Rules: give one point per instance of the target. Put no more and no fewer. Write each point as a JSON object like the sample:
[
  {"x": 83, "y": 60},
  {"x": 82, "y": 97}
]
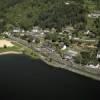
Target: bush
[
  {"x": 37, "y": 40},
  {"x": 5, "y": 46}
]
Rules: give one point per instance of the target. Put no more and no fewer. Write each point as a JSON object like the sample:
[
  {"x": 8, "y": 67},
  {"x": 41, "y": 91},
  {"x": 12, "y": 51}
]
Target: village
[
  {"x": 65, "y": 46},
  {"x": 73, "y": 47}
]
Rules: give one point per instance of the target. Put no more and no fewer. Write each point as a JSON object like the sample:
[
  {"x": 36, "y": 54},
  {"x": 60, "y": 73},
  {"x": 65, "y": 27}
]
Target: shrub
[{"x": 5, "y": 46}]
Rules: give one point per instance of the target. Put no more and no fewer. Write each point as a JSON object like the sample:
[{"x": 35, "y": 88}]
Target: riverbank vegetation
[{"x": 18, "y": 48}]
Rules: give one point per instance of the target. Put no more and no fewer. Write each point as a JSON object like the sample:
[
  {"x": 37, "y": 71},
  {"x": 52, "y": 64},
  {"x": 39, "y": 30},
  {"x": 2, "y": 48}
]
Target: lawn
[{"x": 19, "y": 48}]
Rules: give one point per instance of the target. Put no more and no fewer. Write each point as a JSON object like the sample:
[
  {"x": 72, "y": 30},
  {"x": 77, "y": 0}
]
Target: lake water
[{"x": 22, "y": 77}]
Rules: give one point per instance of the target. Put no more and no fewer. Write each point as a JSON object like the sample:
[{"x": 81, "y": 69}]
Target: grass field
[{"x": 17, "y": 47}]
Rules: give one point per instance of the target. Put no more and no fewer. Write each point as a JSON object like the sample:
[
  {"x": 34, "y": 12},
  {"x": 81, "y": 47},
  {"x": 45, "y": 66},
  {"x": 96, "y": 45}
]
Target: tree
[{"x": 37, "y": 40}]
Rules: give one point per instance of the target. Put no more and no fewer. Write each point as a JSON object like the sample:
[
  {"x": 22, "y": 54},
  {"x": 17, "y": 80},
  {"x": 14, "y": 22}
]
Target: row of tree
[{"x": 44, "y": 13}]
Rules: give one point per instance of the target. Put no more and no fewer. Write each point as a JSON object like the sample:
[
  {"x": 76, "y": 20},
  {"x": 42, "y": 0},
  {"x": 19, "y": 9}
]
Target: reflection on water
[{"x": 21, "y": 76}]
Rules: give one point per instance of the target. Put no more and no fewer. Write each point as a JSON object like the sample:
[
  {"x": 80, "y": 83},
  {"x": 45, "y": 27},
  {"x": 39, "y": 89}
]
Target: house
[
  {"x": 23, "y": 31},
  {"x": 92, "y": 15},
  {"x": 72, "y": 53},
  {"x": 87, "y": 32},
  {"x": 33, "y": 41},
  {"x": 67, "y": 57},
  {"x": 16, "y": 30},
  {"x": 93, "y": 66},
  {"x": 6, "y": 33},
  {"x": 61, "y": 45},
  {"x": 36, "y": 29},
  {"x": 22, "y": 34},
  {"x": 68, "y": 29},
  {"x": 53, "y": 30},
  {"x": 90, "y": 33},
  {"x": 46, "y": 30},
  {"x": 95, "y": 14},
  {"x": 67, "y": 3},
  {"x": 70, "y": 37},
  {"x": 64, "y": 47},
  {"x": 60, "y": 33},
  {"x": 98, "y": 55},
  {"x": 76, "y": 38},
  {"x": 42, "y": 33}
]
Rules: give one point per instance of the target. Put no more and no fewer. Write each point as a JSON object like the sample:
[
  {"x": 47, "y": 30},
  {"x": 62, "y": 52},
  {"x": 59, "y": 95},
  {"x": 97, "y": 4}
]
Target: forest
[{"x": 44, "y": 13}]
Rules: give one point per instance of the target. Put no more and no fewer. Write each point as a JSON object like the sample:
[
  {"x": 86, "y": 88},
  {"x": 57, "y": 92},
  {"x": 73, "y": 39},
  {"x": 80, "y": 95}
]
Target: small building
[
  {"x": 23, "y": 31},
  {"x": 98, "y": 55},
  {"x": 60, "y": 33},
  {"x": 68, "y": 29},
  {"x": 22, "y": 34},
  {"x": 6, "y": 33},
  {"x": 53, "y": 30},
  {"x": 36, "y": 29},
  {"x": 33, "y": 41},
  {"x": 67, "y": 57},
  {"x": 42, "y": 33},
  {"x": 70, "y": 37},
  {"x": 72, "y": 53},
  {"x": 95, "y": 14},
  {"x": 90, "y": 33},
  {"x": 64, "y": 47},
  {"x": 87, "y": 32},
  {"x": 16, "y": 30},
  {"x": 93, "y": 66},
  {"x": 67, "y": 3},
  {"x": 76, "y": 38},
  {"x": 46, "y": 30}
]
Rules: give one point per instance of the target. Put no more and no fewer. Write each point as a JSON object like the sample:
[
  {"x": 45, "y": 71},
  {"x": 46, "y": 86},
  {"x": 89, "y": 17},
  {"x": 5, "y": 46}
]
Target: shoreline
[
  {"x": 80, "y": 72},
  {"x": 10, "y": 52},
  {"x": 57, "y": 65},
  {"x": 71, "y": 69}
]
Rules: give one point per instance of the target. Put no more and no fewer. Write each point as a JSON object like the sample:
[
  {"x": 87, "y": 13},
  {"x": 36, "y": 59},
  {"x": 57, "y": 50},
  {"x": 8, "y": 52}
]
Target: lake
[{"x": 22, "y": 77}]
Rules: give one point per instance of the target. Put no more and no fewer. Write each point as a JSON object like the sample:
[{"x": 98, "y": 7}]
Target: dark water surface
[{"x": 22, "y": 77}]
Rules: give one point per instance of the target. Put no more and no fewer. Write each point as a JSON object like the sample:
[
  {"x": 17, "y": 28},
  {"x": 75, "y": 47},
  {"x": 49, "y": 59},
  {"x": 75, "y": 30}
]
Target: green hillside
[{"x": 45, "y": 13}]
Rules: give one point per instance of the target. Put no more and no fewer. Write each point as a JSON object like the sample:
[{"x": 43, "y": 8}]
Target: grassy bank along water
[
  {"x": 18, "y": 49},
  {"x": 37, "y": 55}
]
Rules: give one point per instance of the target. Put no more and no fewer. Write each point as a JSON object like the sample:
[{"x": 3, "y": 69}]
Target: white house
[
  {"x": 53, "y": 30},
  {"x": 67, "y": 3},
  {"x": 22, "y": 34},
  {"x": 68, "y": 57},
  {"x": 76, "y": 38},
  {"x": 70, "y": 37},
  {"x": 7, "y": 33},
  {"x": 87, "y": 32},
  {"x": 46, "y": 30},
  {"x": 95, "y": 14},
  {"x": 72, "y": 53},
  {"x": 36, "y": 29},
  {"x": 16, "y": 30},
  {"x": 33, "y": 40},
  {"x": 98, "y": 56},
  {"x": 42, "y": 33},
  {"x": 68, "y": 29},
  {"x": 64, "y": 47},
  {"x": 93, "y": 66},
  {"x": 60, "y": 33},
  {"x": 23, "y": 31}
]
